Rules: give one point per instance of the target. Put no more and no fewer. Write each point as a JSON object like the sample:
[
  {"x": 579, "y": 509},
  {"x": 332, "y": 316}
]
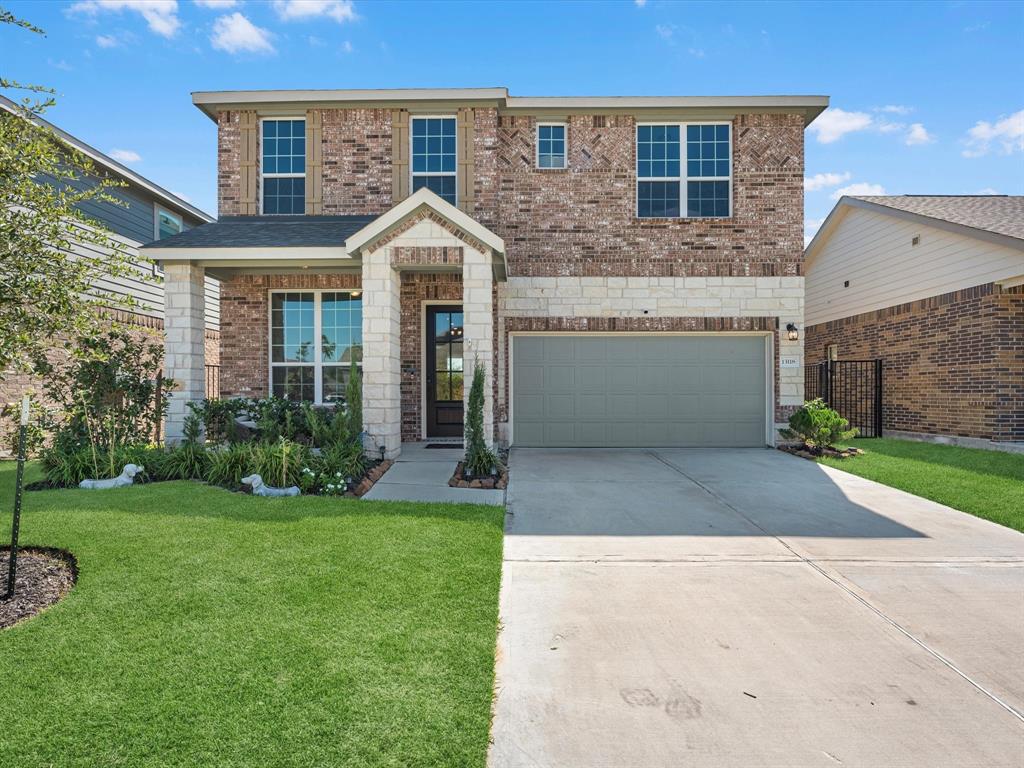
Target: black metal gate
[{"x": 851, "y": 387}]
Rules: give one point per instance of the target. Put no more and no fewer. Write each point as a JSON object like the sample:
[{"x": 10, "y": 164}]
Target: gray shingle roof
[
  {"x": 268, "y": 232},
  {"x": 1002, "y": 214}
]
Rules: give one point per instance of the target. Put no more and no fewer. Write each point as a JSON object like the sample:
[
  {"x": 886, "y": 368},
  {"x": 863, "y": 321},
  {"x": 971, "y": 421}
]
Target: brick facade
[
  {"x": 579, "y": 223},
  {"x": 953, "y": 364},
  {"x": 245, "y": 320}
]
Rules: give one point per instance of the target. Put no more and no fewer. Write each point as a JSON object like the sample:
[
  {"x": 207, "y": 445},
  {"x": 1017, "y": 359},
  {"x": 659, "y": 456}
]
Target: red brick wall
[
  {"x": 579, "y": 221},
  {"x": 244, "y": 321},
  {"x": 418, "y": 287},
  {"x": 952, "y": 364}
]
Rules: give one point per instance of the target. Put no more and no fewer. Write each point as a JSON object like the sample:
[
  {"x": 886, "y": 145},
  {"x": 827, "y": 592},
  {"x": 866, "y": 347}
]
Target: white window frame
[
  {"x": 158, "y": 267},
  {"x": 413, "y": 174},
  {"x": 317, "y": 364},
  {"x": 683, "y": 177},
  {"x": 259, "y": 151},
  {"x": 565, "y": 142}
]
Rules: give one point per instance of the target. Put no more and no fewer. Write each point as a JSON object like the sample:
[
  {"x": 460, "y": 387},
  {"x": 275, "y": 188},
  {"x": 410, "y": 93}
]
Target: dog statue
[
  {"x": 259, "y": 488},
  {"x": 127, "y": 477}
]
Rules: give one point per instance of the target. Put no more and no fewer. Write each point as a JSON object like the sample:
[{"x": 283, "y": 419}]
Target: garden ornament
[
  {"x": 125, "y": 478},
  {"x": 259, "y": 488}
]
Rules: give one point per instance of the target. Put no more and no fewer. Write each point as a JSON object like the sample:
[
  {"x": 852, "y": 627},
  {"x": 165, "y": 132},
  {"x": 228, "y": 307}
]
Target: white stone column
[
  {"x": 382, "y": 373},
  {"x": 184, "y": 344},
  {"x": 478, "y": 328}
]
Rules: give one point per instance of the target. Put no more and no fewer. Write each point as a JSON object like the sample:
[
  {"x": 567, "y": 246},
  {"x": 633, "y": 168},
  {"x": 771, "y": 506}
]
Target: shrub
[
  {"x": 354, "y": 403},
  {"x": 188, "y": 461},
  {"x": 277, "y": 418},
  {"x": 66, "y": 466},
  {"x": 818, "y": 426},
  {"x": 480, "y": 460},
  {"x": 218, "y": 418},
  {"x": 230, "y": 465},
  {"x": 327, "y": 426},
  {"x": 280, "y": 464}
]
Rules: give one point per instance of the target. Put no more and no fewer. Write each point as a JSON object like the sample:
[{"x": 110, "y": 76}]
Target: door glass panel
[
  {"x": 443, "y": 388},
  {"x": 456, "y": 356},
  {"x": 442, "y": 361},
  {"x": 456, "y": 387}
]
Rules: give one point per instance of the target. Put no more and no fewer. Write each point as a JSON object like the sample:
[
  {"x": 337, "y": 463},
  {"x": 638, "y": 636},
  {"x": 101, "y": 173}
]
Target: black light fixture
[{"x": 792, "y": 331}]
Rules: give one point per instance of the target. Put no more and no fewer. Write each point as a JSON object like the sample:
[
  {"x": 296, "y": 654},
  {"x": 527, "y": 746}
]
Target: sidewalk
[{"x": 422, "y": 474}]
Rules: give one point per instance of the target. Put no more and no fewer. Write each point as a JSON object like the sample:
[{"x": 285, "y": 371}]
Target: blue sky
[{"x": 927, "y": 98}]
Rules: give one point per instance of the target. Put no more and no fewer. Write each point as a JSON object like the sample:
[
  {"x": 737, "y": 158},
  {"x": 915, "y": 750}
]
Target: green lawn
[
  {"x": 209, "y": 628},
  {"x": 987, "y": 484}
]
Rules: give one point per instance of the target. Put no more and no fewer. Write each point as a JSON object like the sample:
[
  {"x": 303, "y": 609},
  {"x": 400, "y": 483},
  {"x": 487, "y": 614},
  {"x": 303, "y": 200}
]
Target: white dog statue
[
  {"x": 259, "y": 488},
  {"x": 127, "y": 477}
]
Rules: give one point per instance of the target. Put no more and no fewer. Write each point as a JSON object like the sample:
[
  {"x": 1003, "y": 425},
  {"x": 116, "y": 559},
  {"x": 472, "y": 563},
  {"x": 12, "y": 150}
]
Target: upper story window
[
  {"x": 551, "y": 145},
  {"x": 669, "y": 188},
  {"x": 283, "y": 166},
  {"x": 167, "y": 224},
  {"x": 433, "y": 156}
]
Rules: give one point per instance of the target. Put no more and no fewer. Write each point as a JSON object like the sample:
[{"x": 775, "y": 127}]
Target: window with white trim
[
  {"x": 551, "y": 145},
  {"x": 167, "y": 223},
  {"x": 434, "y": 156},
  {"x": 668, "y": 186},
  {"x": 283, "y": 166},
  {"x": 314, "y": 337}
]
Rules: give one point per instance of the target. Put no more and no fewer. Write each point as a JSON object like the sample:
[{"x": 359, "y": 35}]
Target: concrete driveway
[{"x": 748, "y": 608}]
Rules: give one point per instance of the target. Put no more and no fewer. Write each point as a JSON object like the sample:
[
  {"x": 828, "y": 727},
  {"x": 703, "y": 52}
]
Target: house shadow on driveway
[{"x": 684, "y": 492}]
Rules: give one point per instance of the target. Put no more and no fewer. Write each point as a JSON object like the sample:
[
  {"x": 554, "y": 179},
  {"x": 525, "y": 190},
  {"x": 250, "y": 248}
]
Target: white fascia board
[
  {"x": 423, "y": 198},
  {"x": 264, "y": 255}
]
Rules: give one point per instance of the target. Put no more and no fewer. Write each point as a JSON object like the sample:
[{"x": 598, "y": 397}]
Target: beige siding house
[{"x": 933, "y": 285}]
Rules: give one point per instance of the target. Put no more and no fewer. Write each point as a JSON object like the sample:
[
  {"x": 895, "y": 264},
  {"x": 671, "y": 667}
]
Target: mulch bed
[
  {"x": 460, "y": 480},
  {"x": 812, "y": 454},
  {"x": 44, "y": 576}
]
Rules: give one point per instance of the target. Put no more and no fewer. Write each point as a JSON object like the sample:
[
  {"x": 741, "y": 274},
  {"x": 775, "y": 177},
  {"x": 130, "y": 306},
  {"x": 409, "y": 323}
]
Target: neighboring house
[
  {"x": 625, "y": 268},
  {"x": 149, "y": 213},
  {"x": 934, "y": 286}
]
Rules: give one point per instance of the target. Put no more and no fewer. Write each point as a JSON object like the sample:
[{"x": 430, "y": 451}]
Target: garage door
[{"x": 638, "y": 391}]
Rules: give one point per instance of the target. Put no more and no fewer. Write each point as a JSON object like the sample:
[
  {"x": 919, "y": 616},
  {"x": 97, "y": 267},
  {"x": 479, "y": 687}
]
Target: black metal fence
[
  {"x": 851, "y": 387},
  {"x": 212, "y": 382}
]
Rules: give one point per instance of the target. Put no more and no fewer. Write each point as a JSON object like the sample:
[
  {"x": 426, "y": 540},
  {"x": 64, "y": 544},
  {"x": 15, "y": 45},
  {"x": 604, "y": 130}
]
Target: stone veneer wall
[
  {"x": 952, "y": 364},
  {"x": 245, "y": 320},
  {"x": 417, "y": 289}
]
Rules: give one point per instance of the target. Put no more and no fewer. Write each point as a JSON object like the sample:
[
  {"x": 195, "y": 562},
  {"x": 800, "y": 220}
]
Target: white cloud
[
  {"x": 884, "y": 126},
  {"x": 665, "y": 31},
  {"x": 822, "y": 180},
  {"x": 236, "y": 34},
  {"x": 860, "y": 188},
  {"x": 217, "y": 5},
  {"x": 918, "y": 134},
  {"x": 834, "y": 123},
  {"x": 125, "y": 155},
  {"x": 895, "y": 109},
  {"x": 987, "y": 191},
  {"x": 640, "y": 3},
  {"x": 161, "y": 15},
  {"x": 1007, "y": 132},
  {"x": 292, "y": 10},
  {"x": 347, "y": 47},
  {"x": 60, "y": 64},
  {"x": 106, "y": 41},
  {"x": 696, "y": 52}
]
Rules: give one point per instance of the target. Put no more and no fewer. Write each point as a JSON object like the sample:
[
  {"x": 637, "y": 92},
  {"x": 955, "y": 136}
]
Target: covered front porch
[{"x": 409, "y": 296}]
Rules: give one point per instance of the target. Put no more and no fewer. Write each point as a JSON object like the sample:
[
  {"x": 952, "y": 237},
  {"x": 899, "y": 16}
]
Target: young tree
[{"x": 51, "y": 254}]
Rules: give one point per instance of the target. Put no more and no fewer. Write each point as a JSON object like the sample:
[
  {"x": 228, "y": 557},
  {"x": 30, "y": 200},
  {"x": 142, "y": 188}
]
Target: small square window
[{"x": 551, "y": 146}]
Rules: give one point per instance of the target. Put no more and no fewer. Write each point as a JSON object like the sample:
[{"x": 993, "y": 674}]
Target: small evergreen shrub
[
  {"x": 818, "y": 426},
  {"x": 354, "y": 403},
  {"x": 480, "y": 460}
]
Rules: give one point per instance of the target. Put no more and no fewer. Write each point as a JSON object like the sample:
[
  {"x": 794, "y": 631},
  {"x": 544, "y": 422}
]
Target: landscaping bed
[
  {"x": 43, "y": 577},
  {"x": 816, "y": 453},
  {"x": 209, "y": 630},
  {"x": 461, "y": 480}
]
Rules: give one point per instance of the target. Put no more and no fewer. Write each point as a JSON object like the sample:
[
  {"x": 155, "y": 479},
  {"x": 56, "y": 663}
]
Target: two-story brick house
[{"x": 629, "y": 270}]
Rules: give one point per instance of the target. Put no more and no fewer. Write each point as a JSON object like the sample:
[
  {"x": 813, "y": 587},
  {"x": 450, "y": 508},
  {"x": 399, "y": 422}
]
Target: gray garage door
[{"x": 642, "y": 391}]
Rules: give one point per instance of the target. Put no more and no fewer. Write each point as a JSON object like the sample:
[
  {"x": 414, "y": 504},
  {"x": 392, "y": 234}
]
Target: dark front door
[{"x": 444, "y": 371}]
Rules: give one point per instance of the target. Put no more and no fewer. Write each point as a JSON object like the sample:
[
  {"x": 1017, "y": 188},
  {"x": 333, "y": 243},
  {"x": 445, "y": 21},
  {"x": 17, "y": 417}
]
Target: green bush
[
  {"x": 218, "y": 418},
  {"x": 229, "y": 465},
  {"x": 66, "y": 466},
  {"x": 818, "y": 426},
  {"x": 480, "y": 460},
  {"x": 354, "y": 403},
  {"x": 327, "y": 426},
  {"x": 188, "y": 461}
]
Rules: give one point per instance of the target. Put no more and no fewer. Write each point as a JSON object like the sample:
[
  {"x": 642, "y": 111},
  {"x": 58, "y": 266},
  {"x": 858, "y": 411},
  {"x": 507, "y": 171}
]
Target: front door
[{"x": 444, "y": 371}]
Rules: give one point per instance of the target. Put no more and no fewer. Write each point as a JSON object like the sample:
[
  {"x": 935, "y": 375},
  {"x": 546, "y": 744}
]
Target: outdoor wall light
[{"x": 792, "y": 331}]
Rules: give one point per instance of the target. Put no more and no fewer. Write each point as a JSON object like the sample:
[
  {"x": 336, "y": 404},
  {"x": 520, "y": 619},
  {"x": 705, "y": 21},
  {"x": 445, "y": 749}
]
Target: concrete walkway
[
  {"x": 422, "y": 474},
  {"x": 749, "y": 608}
]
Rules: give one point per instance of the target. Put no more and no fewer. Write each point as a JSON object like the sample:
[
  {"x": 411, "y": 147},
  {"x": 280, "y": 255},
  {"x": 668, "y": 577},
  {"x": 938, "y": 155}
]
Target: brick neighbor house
[
  {"x": 629, "y": 270},
  {"x": 934, "y": 286}
]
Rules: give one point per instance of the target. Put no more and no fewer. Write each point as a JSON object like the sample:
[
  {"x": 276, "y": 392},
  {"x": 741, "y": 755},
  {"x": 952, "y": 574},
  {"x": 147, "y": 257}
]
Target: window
[
  {"x": 433, "y": 156},
  {"x": 283, "y": 166},
  {"x": 668, "y": 188},
  {"x": 167, "y": 224},
  {"x": 314, "y": 336},
  {"x": 551, "y": 145}
]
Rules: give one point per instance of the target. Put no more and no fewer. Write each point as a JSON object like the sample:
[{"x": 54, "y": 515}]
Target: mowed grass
[
  {"x": 988, "y": 484},
  {"x": 210, "y": 628}
]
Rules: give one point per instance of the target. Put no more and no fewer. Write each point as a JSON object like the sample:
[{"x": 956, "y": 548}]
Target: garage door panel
[{"x": 625, "y": 391}]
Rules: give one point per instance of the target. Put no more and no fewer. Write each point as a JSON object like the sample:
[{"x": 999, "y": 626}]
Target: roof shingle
[
  {"x": 1002, "y": 214},
  {"x": 268, "y": 232}
]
